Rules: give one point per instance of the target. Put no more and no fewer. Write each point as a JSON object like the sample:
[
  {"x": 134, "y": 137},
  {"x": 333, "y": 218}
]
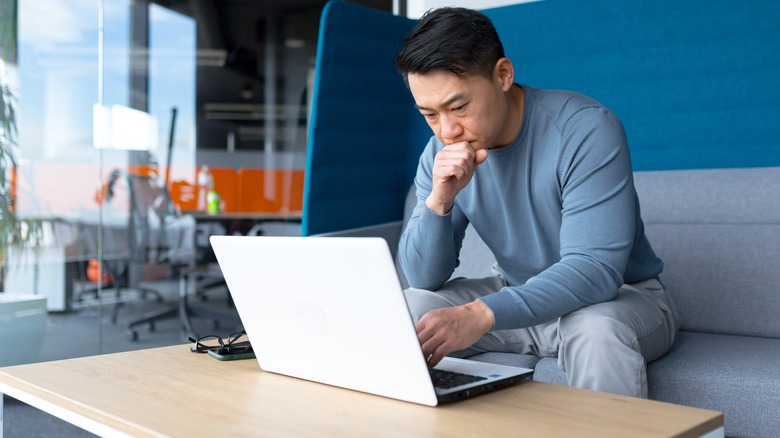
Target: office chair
[
  {"x": 159, "y": 234},
  {"x": 114, "y": 264}
]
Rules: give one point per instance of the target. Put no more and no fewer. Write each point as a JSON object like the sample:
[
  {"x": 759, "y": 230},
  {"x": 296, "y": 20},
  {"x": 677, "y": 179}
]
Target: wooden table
[{"x": 171, "y": 392}]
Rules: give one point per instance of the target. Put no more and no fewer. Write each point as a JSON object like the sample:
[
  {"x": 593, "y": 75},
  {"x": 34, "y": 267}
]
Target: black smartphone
[{"x": 222, "y": 355}]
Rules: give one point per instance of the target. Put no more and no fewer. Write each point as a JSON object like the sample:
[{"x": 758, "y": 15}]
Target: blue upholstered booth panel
[
  {"x": 363, "y": 148},
  {"x": 693, "y": 82}
]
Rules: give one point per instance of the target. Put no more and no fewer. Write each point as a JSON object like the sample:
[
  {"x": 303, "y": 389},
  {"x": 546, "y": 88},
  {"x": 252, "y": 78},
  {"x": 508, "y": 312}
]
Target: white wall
[{"x": 416, "y": 8}]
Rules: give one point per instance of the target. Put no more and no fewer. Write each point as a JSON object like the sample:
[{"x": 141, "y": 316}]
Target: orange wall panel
[{"x": 270, "y": 190}]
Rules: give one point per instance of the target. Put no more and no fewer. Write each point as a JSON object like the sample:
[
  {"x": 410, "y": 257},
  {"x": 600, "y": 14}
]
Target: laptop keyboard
[{"x": 450, "y": 379}]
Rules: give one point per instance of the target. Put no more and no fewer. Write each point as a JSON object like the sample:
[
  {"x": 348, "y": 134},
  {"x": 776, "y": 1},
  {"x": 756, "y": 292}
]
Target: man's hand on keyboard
[{"x": 442, "y": 331}]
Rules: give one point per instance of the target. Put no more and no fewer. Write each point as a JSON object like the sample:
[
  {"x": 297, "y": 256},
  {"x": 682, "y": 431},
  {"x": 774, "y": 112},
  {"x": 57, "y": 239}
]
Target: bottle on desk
[
  {"x": 205, "y": 185},
  {"x": 213, "y": 202},
  {"x": 209, "y": 200}
]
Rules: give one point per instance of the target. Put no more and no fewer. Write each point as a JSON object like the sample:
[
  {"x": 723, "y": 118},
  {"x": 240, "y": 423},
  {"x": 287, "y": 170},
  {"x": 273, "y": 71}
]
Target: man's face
[{"x": 471, "y": 109}]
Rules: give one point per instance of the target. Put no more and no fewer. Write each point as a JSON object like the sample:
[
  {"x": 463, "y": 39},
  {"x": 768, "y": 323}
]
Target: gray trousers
[{"x": 603, "y": 347}]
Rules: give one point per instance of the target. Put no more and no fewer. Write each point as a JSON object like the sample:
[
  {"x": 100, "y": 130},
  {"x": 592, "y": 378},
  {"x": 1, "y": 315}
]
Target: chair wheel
[{"x": 132, "y": 335}]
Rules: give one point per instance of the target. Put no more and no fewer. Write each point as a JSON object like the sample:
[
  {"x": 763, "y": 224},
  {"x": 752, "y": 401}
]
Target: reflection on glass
[
  {"x": 172, "y": 58},
  {"x": 222, "y": 85},
  {"x": 69, "y": 143},
  {"x": 22, "y": 314}
]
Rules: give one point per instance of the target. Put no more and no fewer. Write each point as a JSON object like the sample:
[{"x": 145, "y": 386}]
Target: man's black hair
[{"x": 458, "y": 40}]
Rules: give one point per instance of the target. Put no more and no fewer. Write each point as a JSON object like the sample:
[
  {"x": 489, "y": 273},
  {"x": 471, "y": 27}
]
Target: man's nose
[{"x": 450, "y": 129}]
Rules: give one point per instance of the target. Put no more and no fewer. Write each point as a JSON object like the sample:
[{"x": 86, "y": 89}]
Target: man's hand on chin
[{"x": 453, "y": 168}]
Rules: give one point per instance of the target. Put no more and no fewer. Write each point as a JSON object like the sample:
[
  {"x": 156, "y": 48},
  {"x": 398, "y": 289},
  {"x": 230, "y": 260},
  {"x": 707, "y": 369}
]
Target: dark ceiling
[
  {"x": 237, "y": 25},
  {"x": 232, "y": 40}
]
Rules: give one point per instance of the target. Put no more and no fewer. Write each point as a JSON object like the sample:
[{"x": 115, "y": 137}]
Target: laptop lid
[{"x": 330, "y": 310}]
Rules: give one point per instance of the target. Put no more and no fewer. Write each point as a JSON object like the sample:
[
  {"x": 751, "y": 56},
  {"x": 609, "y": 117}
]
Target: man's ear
[{"x": 504, "y": 73}]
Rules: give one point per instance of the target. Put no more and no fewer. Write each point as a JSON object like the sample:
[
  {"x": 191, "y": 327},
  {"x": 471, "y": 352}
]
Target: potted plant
[
  {"x": 22, "y": 315},
  {"x": 14, "y": 231}
]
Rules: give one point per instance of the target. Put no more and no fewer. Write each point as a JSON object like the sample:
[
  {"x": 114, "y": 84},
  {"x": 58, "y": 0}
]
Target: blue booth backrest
[
  {"x": 362, "y": 152},
  {"x": 695, "y": 84}
]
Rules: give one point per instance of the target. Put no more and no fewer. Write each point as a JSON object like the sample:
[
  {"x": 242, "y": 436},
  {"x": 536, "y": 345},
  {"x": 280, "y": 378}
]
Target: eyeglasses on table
[{"x": 236, "y": 343}]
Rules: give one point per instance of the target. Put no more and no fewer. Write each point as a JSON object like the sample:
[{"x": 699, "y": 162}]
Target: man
[{"x": 545, "y": 179}]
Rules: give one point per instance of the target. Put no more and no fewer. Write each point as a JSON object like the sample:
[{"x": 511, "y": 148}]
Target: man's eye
[
  {"x": 459, "y": 109},
  {"x": 430, "y": 116}
]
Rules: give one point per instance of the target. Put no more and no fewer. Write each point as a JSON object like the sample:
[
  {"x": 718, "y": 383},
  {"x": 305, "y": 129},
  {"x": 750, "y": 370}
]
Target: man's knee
[
  {"x": 601, "y": 353},
  {"x": 595, "y": 332},
  {"x": 453, "y": 293},
  {"x": 421, "y": 301}
]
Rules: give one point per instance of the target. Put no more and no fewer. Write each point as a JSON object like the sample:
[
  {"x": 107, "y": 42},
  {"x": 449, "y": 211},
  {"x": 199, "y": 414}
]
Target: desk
[
  {"x": 258, "y": 216},
  {"x": 241, "y": 223},
  {"x": 171, "y": 392},
  {"x": 288, "y": 223}
]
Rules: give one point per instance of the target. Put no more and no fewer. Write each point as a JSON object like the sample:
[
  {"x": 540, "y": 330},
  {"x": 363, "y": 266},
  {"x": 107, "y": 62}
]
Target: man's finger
[
  {"x": 429, "y": 349},
  {"x": 435, "y": 357},
  {"x": 424, "y": 336},
  {"x": 430, "y": 355}
]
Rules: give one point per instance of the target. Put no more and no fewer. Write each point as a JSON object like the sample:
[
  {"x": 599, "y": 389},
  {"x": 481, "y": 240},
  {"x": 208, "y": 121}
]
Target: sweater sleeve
[
  {"x": 429, "y": 246},
  {"x": 597, "y": 226}
]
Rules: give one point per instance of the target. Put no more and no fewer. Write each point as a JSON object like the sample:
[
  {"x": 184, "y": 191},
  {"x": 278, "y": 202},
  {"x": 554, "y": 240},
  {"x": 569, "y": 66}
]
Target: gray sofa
[{"x": 718, "y": 232}]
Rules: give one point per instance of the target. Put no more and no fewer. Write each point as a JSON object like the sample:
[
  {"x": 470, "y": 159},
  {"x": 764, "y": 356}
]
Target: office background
[
  {"x": 95, "y": 93},
  {"x": 103, "y": 99},
  {"x": 104, "y": 102},
  {"x": 107, "y": 102}
]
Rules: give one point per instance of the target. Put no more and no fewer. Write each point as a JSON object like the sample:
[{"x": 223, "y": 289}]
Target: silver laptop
[{"x": 331, "y": 310}]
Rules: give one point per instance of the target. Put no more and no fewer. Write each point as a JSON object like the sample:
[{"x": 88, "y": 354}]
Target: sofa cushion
[
  {"x": 737, "y": 375},
  {"x": 718, "y": 233},
  {"x": 724, "y": 278},
  {"x": 547, "y": 371}
]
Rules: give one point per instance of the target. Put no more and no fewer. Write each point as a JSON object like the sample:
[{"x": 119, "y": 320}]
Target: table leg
[
  {"x": 1, "y": 414},
  {"x": 717, "y": 433},
  {"x": 184, "y": 312}
]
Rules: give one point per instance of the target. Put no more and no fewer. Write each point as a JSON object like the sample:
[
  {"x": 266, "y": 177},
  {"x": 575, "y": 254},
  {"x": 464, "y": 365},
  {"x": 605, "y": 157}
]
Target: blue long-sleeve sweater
[{"x": 557, "y": 207}]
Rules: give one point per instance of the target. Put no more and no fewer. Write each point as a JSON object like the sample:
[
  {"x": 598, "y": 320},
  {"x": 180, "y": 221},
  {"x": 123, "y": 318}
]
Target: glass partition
[
  {"x": 89, "y": 94},
  {"x": 120, "y": 120}
]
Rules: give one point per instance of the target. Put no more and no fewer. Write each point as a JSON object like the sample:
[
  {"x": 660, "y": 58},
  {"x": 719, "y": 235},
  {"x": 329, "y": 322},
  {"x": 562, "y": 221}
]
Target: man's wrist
[
  {"x": 484, "y": 315},
  {"x": 438, "y": 207}
]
